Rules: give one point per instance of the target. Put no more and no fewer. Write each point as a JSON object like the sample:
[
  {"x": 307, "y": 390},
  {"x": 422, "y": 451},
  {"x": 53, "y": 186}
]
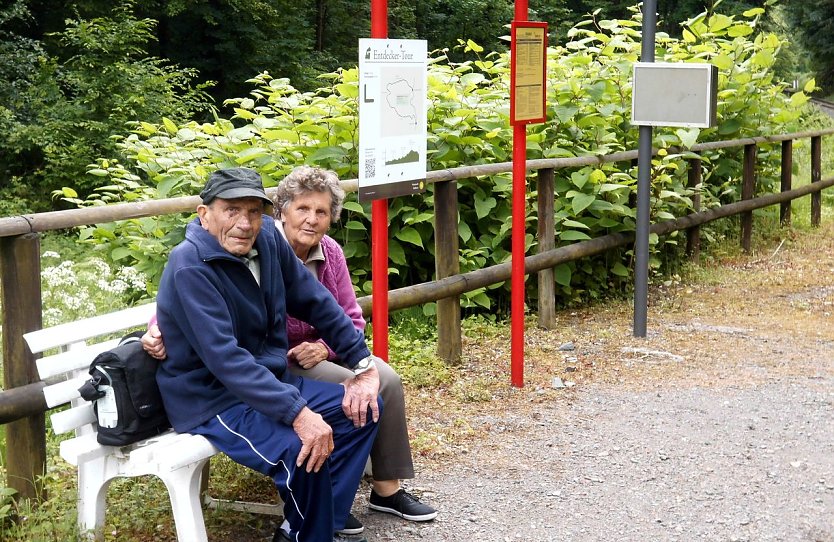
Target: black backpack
[{"x": 126, "y": 398}]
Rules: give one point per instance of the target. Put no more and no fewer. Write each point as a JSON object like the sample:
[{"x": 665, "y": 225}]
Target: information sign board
[
  {"x": 674, "y": 94},
  {"x": 392, "y": 117},
  {"x": 528, "y": 61}
]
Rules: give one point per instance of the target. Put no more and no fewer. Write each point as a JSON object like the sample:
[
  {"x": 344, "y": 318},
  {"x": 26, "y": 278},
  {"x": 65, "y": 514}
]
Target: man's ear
[{"x": 202, "y": 210}]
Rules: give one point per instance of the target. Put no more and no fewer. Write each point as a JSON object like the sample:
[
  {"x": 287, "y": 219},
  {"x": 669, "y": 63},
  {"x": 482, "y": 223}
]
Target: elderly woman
[{"x": 306, "y": 203}]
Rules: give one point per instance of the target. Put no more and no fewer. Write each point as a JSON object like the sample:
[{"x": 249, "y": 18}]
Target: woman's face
[{"x": 306, "y": 219}]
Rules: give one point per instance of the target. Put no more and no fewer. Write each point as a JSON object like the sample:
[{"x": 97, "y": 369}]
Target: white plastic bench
[{"x": 178, "y": 459}]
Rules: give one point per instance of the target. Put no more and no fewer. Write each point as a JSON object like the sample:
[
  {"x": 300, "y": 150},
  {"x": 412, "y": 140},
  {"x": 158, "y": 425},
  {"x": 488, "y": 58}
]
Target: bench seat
[{"x": 178, "y": 459}]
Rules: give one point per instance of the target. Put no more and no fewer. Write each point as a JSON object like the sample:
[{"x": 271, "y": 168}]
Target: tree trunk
[{"x": 321, "y": 12}]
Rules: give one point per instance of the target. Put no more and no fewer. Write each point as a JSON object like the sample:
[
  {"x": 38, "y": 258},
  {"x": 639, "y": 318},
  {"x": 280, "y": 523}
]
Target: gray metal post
[{"x": 644, "y": 184}]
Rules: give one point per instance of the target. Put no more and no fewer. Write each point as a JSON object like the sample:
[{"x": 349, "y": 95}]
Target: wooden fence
[{"x": 22, "y": 408}]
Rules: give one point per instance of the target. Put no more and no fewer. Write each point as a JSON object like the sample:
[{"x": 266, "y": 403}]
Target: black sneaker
[
  {"x": 282, "y": 536},
  {"x": 402, "y": 504},
  {"x": 352, "y": 526}
]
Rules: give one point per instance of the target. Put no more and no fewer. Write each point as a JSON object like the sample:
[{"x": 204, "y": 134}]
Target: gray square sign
[{"x": 674, "y": 94}]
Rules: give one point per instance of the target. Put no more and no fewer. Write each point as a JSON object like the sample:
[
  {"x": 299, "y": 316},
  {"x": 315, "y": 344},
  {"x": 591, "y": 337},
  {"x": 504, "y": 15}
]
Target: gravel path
[
  {"x": 685, "y": 464},
  {"x": 719, "y": 426}
]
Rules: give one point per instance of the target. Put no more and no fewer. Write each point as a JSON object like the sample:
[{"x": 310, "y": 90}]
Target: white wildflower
[
  {"x": 101, "y": 266},
  {"x": 59, "y": 276},
  {"x": 53, "y": 316},
  {"x": 74, "y": 302},
  {"x": 78, "y": 290},
  {"x": 118, "y": 286},
  {"x": 134, "y": 278}
]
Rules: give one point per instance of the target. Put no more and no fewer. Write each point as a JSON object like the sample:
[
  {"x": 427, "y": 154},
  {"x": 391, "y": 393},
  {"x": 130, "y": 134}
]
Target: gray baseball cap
[{"x": 234, "y": 183}]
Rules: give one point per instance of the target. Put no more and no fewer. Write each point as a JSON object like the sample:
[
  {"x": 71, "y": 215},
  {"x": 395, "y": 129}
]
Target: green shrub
[
  {"x": 59, "y": 111},
  {"x": 589, "y": 93}
]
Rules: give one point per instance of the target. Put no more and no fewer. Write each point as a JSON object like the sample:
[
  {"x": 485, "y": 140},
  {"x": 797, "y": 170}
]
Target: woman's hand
[
  {"x": 308, "y": 355},
  {"x": 152, "y": 343}
]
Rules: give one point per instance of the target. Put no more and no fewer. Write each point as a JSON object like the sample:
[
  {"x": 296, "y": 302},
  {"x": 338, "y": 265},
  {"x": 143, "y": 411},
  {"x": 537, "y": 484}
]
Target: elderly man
[{"x": 223, "y": 302}]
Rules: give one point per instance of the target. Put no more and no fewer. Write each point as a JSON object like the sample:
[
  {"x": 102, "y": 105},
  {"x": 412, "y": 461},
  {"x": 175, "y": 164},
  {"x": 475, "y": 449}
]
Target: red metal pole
[
  {"x": 519, "y": 226},
  {"x": 379, "y": 223},
  {"x": 517, "y": 277},
  {"x": 379, "y": 18}
]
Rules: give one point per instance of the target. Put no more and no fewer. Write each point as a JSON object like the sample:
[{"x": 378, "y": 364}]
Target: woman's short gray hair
[{"x": 310, "y": 179}]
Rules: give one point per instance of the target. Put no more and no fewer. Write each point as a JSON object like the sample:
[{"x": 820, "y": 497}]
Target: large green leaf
[
  {"x": 574, "y": 224},
  {"x": 396, "y": 253},
  {"x": 620, "y": 270},
  {"x": 562, "y": 274},
  {"x": 355, "y": 225},
  {"x": 688, "y": 136},
  {"x": 573, "y": 235},
  {"x": 120, "y": 253},
  {"x": 353, "y": 206},
  {"x": 581, "y": 201},
  {"x": 483, "y": 205},
  {"x": 410, "y": 235}
]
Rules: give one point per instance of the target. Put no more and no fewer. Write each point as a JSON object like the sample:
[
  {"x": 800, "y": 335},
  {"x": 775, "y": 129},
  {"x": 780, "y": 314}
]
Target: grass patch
[
  {"x": 412, "y": 349},
  {"x": 46, "y": 521}
]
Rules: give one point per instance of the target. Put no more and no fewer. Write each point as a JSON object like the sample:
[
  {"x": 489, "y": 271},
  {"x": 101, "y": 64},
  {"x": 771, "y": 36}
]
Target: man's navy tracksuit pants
[{"x": 315, "y": 504}]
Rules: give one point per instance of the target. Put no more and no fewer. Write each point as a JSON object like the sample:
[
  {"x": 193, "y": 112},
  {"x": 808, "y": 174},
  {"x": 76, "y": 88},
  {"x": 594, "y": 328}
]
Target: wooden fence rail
[{"x": 21, "y": 404}]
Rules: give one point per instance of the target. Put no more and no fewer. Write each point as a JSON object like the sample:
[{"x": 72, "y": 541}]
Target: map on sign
[
  {"x": 403, "y": 98},
  {"x": 392, "y": 117}
]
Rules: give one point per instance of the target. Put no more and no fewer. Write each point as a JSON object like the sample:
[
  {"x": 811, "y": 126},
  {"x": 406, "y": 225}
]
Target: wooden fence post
[
  {"x": 547, "y": 241},
  {"x": 787, "y": 180},
  {"x": 447, "y": 263},
  {"x": 21, "y": 298},
  {"x": 693, "y": 235},
  {"x": 816, "y": 175},
  {"x": 748, "y": 188}
]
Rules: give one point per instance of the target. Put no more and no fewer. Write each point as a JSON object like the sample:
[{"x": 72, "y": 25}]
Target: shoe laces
[{"x": 408, "y": 496}]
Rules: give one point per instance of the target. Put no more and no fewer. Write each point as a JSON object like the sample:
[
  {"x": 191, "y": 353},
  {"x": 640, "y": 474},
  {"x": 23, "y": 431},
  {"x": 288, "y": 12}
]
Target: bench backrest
[{"x": 66, "y": 371}]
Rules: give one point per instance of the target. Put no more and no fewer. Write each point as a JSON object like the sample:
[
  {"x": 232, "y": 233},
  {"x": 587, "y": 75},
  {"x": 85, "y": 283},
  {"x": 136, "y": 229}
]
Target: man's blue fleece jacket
[{"x": 226, "y": 336}]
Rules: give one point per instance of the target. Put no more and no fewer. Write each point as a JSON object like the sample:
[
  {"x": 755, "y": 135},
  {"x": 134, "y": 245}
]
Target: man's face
[{"x": 235, "y": 223}]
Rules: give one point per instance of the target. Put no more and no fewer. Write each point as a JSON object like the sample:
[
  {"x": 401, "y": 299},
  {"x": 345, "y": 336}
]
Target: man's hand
[
  {"x": 316, "y": 439},
  {"x": 308, "y": 355},
  {"x": 360, "y": 393},
  {"x": 152, "y": 343}
]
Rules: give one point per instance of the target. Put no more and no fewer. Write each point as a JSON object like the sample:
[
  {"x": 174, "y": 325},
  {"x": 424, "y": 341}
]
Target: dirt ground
[{"x": 717, "y": 426}]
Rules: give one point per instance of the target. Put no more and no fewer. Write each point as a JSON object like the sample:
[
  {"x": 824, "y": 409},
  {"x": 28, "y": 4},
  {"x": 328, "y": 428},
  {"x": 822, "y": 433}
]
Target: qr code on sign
[{"x": 370, "y": 167}]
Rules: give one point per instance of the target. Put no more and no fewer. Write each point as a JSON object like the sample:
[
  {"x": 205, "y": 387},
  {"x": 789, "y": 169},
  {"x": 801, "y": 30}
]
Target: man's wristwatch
[{"x": 364, "y": 364}]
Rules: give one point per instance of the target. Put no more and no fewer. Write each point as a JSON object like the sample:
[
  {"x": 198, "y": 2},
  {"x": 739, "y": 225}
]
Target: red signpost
[
  {"x": 379, "y": 224},
  {"x": 527, "y": 105}
]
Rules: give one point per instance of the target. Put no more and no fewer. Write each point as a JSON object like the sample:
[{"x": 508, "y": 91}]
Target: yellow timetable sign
[{"x": 527, "y": 72}]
